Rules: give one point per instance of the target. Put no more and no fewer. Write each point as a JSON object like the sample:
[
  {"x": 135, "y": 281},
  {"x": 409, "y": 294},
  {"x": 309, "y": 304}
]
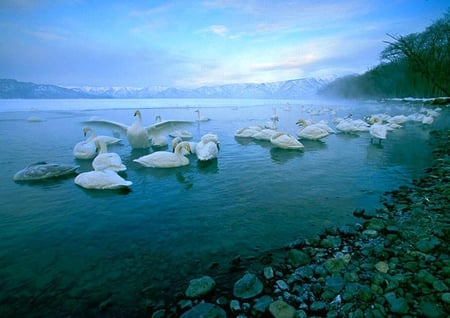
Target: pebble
[{"x": 395, "y": 263}]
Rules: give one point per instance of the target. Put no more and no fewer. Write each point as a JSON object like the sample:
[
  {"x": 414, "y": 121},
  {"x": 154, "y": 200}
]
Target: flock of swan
[
  {"x": 107, "y": 165},
  {"x": 377, "y": 125}
]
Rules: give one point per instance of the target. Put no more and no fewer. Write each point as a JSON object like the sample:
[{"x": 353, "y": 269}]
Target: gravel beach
[{"x": 394, "y": 262}]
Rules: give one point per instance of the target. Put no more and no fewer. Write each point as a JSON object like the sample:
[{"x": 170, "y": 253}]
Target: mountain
[
  {"x": 10, "y": 88},
  {"x": 297, "y": 88}
]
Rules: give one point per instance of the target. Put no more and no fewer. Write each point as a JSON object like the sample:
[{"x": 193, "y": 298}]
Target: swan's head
[
  {"x": 275, "y": 118},
  {"x": 182, "y": 145},
  {"x": 158, "y": 119},
  {"x": 175, "y": 142},
  {"x": 137, "y": 113},
  {"x": 301, "y": 122},
  {"x": 86, "y": 130}
]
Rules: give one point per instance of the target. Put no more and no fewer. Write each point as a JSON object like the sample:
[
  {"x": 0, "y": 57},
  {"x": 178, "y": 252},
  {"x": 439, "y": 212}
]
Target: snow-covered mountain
[{"x": 297, "y": 88}]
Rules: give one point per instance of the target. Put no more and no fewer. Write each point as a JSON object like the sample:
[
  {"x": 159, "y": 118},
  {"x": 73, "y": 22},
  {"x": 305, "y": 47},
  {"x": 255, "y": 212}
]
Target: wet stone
[
  {"x": 281, "y": 309},
  {"x": 248, "y": 286},
  {"x": 298, "y": 258},
  {"x": 200, "y": 286}
]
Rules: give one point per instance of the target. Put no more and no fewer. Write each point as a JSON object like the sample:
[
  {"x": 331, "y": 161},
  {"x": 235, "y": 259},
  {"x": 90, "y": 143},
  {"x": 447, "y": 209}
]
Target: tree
[{"x": 426, "y": 53}]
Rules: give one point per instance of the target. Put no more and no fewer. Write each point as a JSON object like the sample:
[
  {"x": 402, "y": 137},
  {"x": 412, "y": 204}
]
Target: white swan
[
  {"x": 348, "y": 125},
  {"x": 378, "y": 131},
  {"x": 85, "y": 149},
  {"x": 103, "y": 180},
  {"x": 312, "y": 131},
  {"x": 183, "y": 134},
  {"x": 285, "y": 141},
  {"x": 201, "y": 118},
  {"x": 208, "y": 147},
  {"x": 247, "y": 132},
  {"x": 139, "y": 135},
  {"x": 264, "y": 134},
  {"x": 107, "y": 160},
  {"x": 166, "y": 159},
  {"x": 177, "y": 140},
  {"x": 158, "y": 140}
]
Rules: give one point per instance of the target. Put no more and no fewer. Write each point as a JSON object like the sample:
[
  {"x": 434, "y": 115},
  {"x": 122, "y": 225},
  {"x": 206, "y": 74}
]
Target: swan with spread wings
[{"x": 139, "y": 136}]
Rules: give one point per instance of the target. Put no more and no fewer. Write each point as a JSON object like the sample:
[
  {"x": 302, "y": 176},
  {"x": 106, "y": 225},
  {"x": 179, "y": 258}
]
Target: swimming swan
[
  {"x": 137, "y": 134},
  {"x": 208, "y": 147},
  {"x": 107, "y": 160},
  {"x": 43, "y": 170},
  {"x": 201, "y": 118},
  {"x": 312, "y": 131},
  {"x": 177, "y": 140},
  {"x": 166, "y": 159},
  {"x": 285, "y": 141},
  {"x": 103, "y": 180},
  {"x": 86, "y": 149},
  {"x": 377, "y": 131}
]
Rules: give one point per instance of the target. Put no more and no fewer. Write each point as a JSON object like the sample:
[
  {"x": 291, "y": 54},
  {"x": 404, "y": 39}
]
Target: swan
[
  {"x": 264, "y": 134},
  {"x": 104, "y": 179},
  {"x": 183, "y": 134},
  {"x": 378, "y": 131},
  {"x": 177, "y": 140},
  {"x": 348, "y": 125},
  {"x": 138, "y": 135},
  {"x": 107, "y": 160},
  {"x": 272, "y": 124},
  {"x": 157, "y": 139},
  {"x": 166, "y": 159},
  {"x": 285, "y": 141},
  {"x": 201, "y": 118},
  {"x": 247, "y": 132},
  {"x": 312, "y": 131},
  {"x": 85, "y": 149},
  {"x": 44, "y": 170},
  {"x": 208, "y": 147}
]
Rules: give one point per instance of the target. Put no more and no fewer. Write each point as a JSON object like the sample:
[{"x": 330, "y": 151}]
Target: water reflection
[
  {"x": 208, "y": 167},
  {"x": 281, "y": 156}
]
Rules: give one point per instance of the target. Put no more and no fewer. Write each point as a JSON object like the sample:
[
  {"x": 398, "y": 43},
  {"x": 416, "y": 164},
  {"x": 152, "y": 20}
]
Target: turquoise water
[{"x": 65, "y": 250}]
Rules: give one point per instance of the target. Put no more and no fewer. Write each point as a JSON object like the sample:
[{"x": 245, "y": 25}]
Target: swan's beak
[
  {"x": 188, "y": 148},
  {"x": 218, "y": 146}
]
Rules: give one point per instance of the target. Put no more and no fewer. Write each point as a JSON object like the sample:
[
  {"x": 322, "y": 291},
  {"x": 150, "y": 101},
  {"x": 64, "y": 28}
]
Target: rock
[
  {"x": 298, "y": 258},
  {"x": 261, "y": 304},
  {"x": 397, "y": 305},
  {"x": 382, "y": 267},
  {"x": 431, "y": 310},
  {"x": 200, "y": 286},
  {"x": 235, "y": 306},
  {"x": 268, "y": 272},
  {"x": 428, "y": 244},
  {"x": 335, "y": 265},
  {"x": 205, "y": 310},
  {"x": 248, "y": 286},
  {"x": 281, "y": 309},
  {"x": 282, "y": 284}
]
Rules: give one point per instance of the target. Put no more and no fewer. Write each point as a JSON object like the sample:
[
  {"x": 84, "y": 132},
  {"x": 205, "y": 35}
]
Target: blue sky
[{"x": 194, "y": 43}]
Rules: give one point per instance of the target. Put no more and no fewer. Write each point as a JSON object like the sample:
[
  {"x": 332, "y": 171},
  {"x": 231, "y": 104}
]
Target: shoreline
[{"x": 395, "y": 261}]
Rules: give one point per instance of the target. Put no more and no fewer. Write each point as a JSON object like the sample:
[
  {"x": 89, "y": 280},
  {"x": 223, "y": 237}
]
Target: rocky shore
[{"x": 394, "y": 262}]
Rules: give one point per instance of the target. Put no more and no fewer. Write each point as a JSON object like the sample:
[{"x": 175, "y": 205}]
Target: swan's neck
[{"x": 103, "y": 147}]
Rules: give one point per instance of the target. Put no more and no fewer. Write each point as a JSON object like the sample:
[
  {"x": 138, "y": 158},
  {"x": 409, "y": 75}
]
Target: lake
[{"x": 64, "y": 250}]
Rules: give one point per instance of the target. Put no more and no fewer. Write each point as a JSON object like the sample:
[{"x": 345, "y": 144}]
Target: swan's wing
[
  {"x": 108, "y": 123},
  {"x": 166, "y": 126}
]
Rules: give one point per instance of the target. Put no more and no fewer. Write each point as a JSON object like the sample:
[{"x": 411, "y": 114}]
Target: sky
[{"x": 189, "y": 44}]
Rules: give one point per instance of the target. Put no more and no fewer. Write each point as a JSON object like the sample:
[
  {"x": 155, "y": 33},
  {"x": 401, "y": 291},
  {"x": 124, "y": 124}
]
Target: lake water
[{"x": 64, "y": 250}]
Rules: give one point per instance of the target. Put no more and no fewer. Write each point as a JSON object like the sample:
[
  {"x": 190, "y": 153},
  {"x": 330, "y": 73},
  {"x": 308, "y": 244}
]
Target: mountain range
[{"x": 296, "y": 88}]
